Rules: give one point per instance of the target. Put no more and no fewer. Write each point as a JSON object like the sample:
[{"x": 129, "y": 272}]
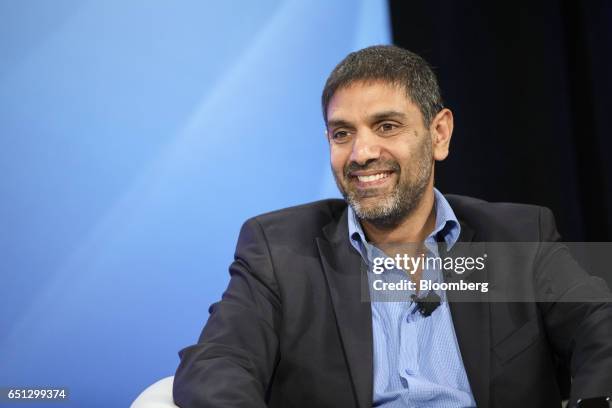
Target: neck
[{"x": 412, "y": 229}]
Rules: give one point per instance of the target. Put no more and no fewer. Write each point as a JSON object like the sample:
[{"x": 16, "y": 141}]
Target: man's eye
[
  {"x": 387, "y": 127},
  {"x": 340, "y": 136}
]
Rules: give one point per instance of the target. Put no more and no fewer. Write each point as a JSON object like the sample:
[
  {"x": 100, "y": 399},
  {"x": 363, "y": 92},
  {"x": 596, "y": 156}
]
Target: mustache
[{"x": 386, "y": 165}]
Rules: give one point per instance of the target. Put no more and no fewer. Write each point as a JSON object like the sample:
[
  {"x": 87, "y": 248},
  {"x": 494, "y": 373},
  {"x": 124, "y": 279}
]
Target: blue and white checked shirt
[{"x": 417, "y": 362}]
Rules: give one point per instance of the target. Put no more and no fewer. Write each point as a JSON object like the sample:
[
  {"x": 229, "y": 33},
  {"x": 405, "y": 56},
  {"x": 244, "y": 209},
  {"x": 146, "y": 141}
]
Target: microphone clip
[{"x": 425, "y": 306}]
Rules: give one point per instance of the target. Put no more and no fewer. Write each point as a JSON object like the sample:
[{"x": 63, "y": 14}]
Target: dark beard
[{"x": 404, "y": 198}]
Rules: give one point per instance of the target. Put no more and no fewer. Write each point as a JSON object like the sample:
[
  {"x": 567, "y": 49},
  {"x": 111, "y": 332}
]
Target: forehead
[{"x": 360, "y": 100}]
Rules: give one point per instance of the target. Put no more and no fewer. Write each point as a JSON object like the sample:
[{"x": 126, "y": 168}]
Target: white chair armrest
[{"x": 158, "y": 395}]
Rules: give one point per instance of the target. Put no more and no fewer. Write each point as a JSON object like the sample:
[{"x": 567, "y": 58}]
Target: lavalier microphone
[{"x": 426, "y": 305}]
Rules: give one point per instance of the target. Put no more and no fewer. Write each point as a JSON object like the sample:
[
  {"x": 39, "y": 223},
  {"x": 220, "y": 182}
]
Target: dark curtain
[{"x": 529, "y": 84}]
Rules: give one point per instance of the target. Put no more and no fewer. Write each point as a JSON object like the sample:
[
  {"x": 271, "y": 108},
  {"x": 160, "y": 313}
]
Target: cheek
[
  {"x": 408, "y": 155},
  {"x": 338, "y": 159}
]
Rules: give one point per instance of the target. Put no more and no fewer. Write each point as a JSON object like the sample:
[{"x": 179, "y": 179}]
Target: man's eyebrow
[
  {"x": 333, "y": 123},
  {"x": 390, "y": 114},
  {"x": 374, "y": 118}
]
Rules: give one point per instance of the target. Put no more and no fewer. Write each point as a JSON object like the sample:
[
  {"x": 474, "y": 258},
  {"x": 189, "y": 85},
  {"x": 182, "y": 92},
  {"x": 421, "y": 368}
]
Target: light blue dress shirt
[{"x": 417, "y": 362}]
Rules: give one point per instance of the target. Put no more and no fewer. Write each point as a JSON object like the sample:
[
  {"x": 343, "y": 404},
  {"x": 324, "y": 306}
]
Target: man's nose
[{"x": 366, "y": 147}]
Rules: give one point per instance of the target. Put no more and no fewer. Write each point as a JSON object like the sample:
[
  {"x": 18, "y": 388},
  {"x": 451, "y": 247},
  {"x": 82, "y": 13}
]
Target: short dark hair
[{"x": 391, "y": 64}]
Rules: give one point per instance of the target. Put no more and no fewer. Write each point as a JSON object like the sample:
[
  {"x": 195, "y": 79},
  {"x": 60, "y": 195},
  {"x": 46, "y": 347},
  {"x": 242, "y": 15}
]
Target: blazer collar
[
  {"x": 471, "y": 319},
  {"x": 345, "y": 275}
]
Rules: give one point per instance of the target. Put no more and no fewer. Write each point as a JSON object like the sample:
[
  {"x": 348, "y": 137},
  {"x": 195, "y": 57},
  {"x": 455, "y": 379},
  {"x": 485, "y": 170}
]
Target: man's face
[{"x": 381, "y": 151}]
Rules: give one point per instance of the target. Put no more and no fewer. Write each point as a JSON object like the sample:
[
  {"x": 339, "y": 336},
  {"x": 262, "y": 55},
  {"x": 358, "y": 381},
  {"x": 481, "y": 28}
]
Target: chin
[{"x": 373, "y": 211}]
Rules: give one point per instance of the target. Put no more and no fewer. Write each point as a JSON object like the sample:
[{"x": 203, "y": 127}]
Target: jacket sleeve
[
  {"x": 577, "y": 314},
  {"x": 233, "y": 362}
]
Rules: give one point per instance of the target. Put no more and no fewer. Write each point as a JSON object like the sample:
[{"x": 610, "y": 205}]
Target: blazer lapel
[
  {"x": 342, "y": 266},
  {"x": 471, "y": 320}
]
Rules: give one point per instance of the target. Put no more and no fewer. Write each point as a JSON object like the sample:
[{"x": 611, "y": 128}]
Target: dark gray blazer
[{"x": 291, "y": 329}]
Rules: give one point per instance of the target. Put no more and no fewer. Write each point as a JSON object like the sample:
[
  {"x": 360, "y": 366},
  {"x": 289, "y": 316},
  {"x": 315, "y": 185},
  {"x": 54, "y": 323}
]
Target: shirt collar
[{"x": 447, "y": 225}]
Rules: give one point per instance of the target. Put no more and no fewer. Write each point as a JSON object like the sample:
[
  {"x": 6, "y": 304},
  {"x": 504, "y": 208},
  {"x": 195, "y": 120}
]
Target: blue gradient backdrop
[{"x": 136, "y": 138}]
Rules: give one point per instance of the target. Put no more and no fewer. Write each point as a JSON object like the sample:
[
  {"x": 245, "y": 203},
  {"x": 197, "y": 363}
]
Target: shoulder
[
  {"x": 323, "y": 210},
  {"x": 502, "y": 221},
  {"x": 299, "y": 223}
]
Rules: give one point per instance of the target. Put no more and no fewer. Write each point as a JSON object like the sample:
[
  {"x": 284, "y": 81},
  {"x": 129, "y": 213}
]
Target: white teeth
[{"x": 373, "y": 177}]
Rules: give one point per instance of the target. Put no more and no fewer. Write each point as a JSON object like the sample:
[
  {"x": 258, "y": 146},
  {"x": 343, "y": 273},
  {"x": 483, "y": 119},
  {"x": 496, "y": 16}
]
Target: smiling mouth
[
  {"x": 372, "y": 177},
  {"x": 372, "y": 180}
]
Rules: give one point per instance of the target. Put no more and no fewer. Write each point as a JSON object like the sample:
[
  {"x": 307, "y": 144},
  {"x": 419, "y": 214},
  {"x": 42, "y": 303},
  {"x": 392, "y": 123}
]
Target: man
[{"x": 295, "y": 329}]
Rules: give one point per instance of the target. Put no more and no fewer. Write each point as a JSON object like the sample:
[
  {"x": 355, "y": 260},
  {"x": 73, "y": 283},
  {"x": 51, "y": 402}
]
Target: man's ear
[{"x": 441, "y": 130}]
